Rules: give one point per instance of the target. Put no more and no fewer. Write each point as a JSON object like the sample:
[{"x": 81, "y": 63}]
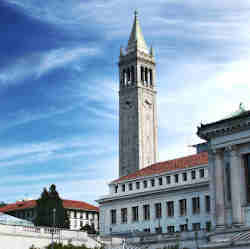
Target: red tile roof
[
  {"x": 171, "y": 165},
  {"x": 69, "y": 204}
]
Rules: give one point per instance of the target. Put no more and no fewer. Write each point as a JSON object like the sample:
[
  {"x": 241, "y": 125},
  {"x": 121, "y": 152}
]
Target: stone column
[
  {"x": 236, "y": 185},
  {"x": 219, "y": 189}
]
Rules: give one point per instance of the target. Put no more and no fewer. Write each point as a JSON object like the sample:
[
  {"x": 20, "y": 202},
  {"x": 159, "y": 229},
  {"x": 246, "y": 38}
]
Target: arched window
[
  {"x": 146, "y": 75},
  {"x": 142, "y": 74},
  {"x": 132, "y": 74},
  {"x": 128, "y": 76},
  {"x": 124, "y": 77},
  {"x": 151, "y": 77}
]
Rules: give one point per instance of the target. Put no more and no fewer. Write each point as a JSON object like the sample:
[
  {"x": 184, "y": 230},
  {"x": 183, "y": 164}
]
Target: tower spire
[{"x": 136, "y": 39}]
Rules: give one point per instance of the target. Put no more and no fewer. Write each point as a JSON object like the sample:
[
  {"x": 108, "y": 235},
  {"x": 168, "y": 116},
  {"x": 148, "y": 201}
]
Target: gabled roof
[
  {"x": 168, "y": 166},
  {"x": 68, "y": 204}
]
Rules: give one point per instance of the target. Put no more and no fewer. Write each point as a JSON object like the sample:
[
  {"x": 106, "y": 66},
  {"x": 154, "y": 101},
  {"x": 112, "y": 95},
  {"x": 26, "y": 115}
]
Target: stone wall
[{"x": 21, "y": 237}]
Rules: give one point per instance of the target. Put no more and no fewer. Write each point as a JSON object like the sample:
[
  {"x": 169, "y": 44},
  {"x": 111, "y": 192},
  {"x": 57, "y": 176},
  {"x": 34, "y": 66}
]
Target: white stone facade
[{"x": 161, "y": 192}]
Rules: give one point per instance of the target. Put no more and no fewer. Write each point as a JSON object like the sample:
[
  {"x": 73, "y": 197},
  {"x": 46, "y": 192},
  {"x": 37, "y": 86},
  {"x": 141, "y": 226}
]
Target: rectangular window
[
  {"x": 74, "y": 214},
  {"x": 196, "y": 205},
  {"x": 202, "y": 173},
  {"x": 130, "y": 186},
  {"x": 184, "y": 176},
  {"x": 152, "y": 182},
  {"x": 208, "y": 226},
  {"x": 137, "y": 185},
  {"x": 146, "y": 230},
  {"x": 183, "y": 228},
  {"x": 168, "y": 178},
  {"x": 146, "y": 212},
  {"x": 183, "y": 207},
  {"x": 80, "y": 215},
  {"x": 113, "y": 216},
  {"x": 196, "y": 226},
  {"x": 193, "y": 174},
  {"x": 124, "y": 215},
  {"x": 123, "y": 187},
  {"x": 160, "y": 180},
  {"x": 116, "y": 188},
  {"x": 158, "y": 229},
  {"x": 158, "y": 210},
  {"x": 87, "y": 215},
  {"x": 135, "y": 215},
  {"x": 176, "y": 178},
  {"x": 170, "y": 208},
  {"x": 170, "y": 229},
  {"x": 207, "y": 203},
  {"x": 145, "y": 184}
]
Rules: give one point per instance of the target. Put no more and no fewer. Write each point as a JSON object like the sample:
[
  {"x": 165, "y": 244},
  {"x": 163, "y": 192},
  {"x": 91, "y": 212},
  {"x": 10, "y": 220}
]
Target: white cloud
[{"x": 38, "y": 64}]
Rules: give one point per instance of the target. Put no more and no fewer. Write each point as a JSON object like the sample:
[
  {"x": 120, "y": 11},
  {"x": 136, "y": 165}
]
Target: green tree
[
  {"x": 50, "y": 210},
  {"x": 2, "y": 204}
]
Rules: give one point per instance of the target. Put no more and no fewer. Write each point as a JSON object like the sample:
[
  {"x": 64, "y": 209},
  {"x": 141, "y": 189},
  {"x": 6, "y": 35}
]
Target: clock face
[{"x": 127, "y": 104}]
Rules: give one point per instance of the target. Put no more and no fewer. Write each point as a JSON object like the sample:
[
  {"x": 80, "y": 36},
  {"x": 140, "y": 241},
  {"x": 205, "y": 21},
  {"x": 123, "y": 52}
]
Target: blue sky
[{"x": 59, "y": 84}]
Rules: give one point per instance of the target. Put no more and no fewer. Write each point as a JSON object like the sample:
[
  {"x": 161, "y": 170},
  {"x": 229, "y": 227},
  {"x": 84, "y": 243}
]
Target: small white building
[{"x": 80, "y": 213}]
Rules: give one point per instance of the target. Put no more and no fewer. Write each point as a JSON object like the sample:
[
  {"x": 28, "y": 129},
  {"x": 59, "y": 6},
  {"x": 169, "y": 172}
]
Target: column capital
[{"x": 233, "y": 151}]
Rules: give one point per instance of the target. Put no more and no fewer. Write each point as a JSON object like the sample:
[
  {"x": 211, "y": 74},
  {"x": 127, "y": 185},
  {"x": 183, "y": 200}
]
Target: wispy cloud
[{"x": 38, "y": 64}]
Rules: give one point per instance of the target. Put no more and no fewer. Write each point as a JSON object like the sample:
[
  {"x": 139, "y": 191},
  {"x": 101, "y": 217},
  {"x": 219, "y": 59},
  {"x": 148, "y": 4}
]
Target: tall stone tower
[{"x": 137, "y": 104}]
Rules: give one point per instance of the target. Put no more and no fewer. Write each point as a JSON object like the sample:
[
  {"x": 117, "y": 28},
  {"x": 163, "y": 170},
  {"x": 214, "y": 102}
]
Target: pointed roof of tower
[{"x": 136, "y": 39}]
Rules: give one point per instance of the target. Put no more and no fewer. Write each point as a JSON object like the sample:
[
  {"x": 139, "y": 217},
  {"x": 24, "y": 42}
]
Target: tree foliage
[
  {"x": 2, "y": 204},
  {"x": 50, "y": 210}
]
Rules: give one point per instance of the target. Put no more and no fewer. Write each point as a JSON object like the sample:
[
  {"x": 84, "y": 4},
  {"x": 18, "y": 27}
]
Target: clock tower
[{"x": 137, "y": 104}]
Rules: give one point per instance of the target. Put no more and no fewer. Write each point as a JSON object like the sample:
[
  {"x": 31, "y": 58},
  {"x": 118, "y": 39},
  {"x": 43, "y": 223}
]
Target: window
[
  {"x": 196, "y": 226},
  {"x": 208, "y": 226},
  {"x": 145, "y": 184},
  {"x": 123, "y": 187},
  {"x": 113, "y": 216},
  {"x": 160, "y": 180},
  {"x": 146, "y": 212},
  {"x": 176, "y": 178},
  {"x": 130, "y": 186},
  {"x": 87, "y": 215},
  {"x": 158, "y": 229},
  {"x": 142, "y": 74},
  {"x": 124, "y": 215},
  {"x": 137, "y": 185},
  {"x": 158, "y": 210},
  {"x": 168, "y": 180},
  {"x": 183, "y": 207},
  {"x": 81, "y": 224},
  {"x": 74, "y": 214},
  {"x": 183, "y": 227},
  {"x": 193, "y": 174},
  {"x": 116, "y": 188},
  {"x": 135, "y": 215},
  {"x": 152, "y": 182},
  {"x": 80, "y": 215},
  {"x": 146, "y": 230},
  {"x": 227, "y": 174},
  {"x": 170, "y": 208},
  {"x": 202, "y": 173},
  {"x": 171, "y": 229},
  {"x": 184, "y": 176},
  {"x": 196, "y": 205},
  {"x": 207, "y": 203}
]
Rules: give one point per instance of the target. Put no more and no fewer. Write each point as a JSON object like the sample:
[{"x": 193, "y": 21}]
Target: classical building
[
  {"x": 229, "y": 164},
  {"x": 137, "y": 104},
  {"x": 80, "y": 213}
]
